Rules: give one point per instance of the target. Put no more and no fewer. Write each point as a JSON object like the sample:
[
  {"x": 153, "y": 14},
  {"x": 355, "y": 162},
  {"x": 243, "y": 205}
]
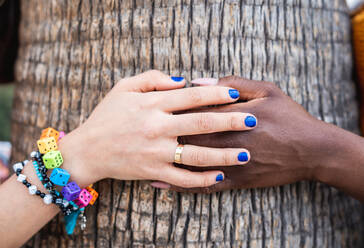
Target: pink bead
[
  {"x": 83, "y": 199},
  {"x": 61, "y": 135}
]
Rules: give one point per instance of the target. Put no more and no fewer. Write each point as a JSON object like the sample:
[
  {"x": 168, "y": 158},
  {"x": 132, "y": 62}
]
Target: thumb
[
  {"x": 249, "y": 89},
  {"x": 151, "y": 81}
]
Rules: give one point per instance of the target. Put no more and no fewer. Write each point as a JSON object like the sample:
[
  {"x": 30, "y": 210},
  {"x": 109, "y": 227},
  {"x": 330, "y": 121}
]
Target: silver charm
[{"x": 83, "y": 220}]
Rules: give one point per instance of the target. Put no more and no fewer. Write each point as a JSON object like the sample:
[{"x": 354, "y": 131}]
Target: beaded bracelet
[
  {"x": 18, "y": 168},
  {"x": 52, "y": 159},
  {"x": 70, "y": 217},
  {"x": 72, "y": 200},
  {"x": 67, "y": 207}
]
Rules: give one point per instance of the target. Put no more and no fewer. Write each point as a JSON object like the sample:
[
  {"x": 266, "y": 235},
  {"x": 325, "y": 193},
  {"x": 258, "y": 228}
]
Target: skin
[
  {"x": 131, "y": 135},
  {"x": 287, "y": 146}
]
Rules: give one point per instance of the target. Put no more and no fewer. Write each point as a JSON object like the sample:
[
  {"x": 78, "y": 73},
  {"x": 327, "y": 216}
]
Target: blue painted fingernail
[
  {"x": 250, "y": 121},
  {"x": 219, "y": 178},
  {"x": 177, "y": 79},
  {"x": 243, "y": 157},
  {"x": 234, "y": 93}
]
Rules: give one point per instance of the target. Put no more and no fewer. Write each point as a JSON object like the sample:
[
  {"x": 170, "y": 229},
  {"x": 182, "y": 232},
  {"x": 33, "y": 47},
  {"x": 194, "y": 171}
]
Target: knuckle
[
  {"x": 152, "y": 132},
  {"x": 271, "y": 88},
  {"x": 233, "y": 78},
  {"x": 186, "y": 183},
  {"x": 195, "y": 95},
  {"x": 226, "y": 158},
  {"x": 199, "y": 157},
  {"x": 151, "y": 102},
  {"x": 230, "y": 80},
  {"x": 153, "y": 73},
  {"x": 204, "y": 123},
  {"x": 120, "y": 84},
  {"x": 205, "y": 182},
  {"x": 235, "y": 122}
]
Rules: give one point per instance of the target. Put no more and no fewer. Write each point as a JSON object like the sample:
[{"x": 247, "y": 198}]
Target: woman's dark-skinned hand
[{"x": 287, "y": 146}]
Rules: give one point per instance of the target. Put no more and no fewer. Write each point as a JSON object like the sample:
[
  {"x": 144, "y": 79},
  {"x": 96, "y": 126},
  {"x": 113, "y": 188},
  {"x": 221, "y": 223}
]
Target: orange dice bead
[
  {"x": 93, "y": 193},
  {"x": 50, "y": 132},
  {"x": 46, "y": 145}
]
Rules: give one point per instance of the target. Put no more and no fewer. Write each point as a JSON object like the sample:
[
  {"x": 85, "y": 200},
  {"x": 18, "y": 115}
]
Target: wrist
[
  {"x": 75, "y": 159},
  {"x": 339, "y": 148}
]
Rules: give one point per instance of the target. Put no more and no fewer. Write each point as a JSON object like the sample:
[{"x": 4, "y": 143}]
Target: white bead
[
  {"x": 21, "y": 178},
  {"x": 65, "y": 203},
  {"x": 18, "y": 166},
  {"x": 25, "y": 162},
  {"x": 32, "y": 189},
  {"x": 48, "y": 199},
  {"x": 33, "y": 154}
]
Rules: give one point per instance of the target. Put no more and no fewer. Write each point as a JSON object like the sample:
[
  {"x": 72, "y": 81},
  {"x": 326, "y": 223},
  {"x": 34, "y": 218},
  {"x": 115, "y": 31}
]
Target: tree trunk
[{"x": 72, "y": 52}]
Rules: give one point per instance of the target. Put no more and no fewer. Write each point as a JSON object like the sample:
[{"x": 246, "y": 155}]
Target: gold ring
[{"x": 178, "y": 154}]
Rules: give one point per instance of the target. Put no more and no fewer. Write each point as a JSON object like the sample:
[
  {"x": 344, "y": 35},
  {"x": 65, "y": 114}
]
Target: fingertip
[
  {"x": 160, "y": 185},
  {"x": 250, "y": 121},
  {"x": 177, "y": 79},
  {"x": 219, "y": 177},
  {"x": 234, "y": 94},
  {"x": 243, "y": 157},
  {"x": 177, "y": 82}
]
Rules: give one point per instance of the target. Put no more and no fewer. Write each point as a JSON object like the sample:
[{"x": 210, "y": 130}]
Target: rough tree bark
[{"x": 72, "y": 52}]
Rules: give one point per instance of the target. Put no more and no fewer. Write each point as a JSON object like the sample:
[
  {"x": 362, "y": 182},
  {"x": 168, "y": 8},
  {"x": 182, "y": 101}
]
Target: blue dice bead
[{"x": 59, "y": 177}]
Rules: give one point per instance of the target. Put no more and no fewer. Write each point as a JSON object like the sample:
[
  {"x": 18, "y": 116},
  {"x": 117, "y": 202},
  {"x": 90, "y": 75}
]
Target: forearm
[
  {"x": 343, "y": 166},
  {"x": 22, "y": 214}
]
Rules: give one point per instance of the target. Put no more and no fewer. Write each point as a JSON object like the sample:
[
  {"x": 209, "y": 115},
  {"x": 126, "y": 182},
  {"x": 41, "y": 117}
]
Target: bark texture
[{"x": 72, "y": 52}]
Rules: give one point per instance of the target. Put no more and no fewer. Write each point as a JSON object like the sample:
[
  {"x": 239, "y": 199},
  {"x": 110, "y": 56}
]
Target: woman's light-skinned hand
[{"x": 132, "y": 134}]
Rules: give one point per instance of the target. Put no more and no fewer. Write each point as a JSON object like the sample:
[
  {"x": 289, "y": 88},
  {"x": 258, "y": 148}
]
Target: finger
[
  {"x": 249, "y": 89},
  {"x": 205, "y": 81},
  {"x": 224, "y": 185},
  {"x": 202, "y": 123},
  {"x": 151, "y": 81},
  {"x": 205, "y": 190},
  {"x": 194, "y": 97},
  {"x": 160, "y": 185},
  {"x": 206, "y": 157},
  {"x": 188, "y": 179}
]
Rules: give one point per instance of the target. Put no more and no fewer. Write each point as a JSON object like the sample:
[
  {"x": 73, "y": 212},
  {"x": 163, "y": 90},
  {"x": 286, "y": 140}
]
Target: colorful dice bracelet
[{"x": 72, "y": 200}]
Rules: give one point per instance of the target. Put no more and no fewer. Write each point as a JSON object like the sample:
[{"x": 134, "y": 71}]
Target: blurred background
[
  {"x": 354, "y": 4},
  {"x": 6, "y": 97}
]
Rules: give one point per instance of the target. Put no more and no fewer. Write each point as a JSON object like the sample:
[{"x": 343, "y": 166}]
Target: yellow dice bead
[{"x": 46, "y": 145}]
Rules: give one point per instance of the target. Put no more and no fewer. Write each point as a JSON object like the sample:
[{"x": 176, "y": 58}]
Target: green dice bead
[{"x": 52, "y": 159}]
